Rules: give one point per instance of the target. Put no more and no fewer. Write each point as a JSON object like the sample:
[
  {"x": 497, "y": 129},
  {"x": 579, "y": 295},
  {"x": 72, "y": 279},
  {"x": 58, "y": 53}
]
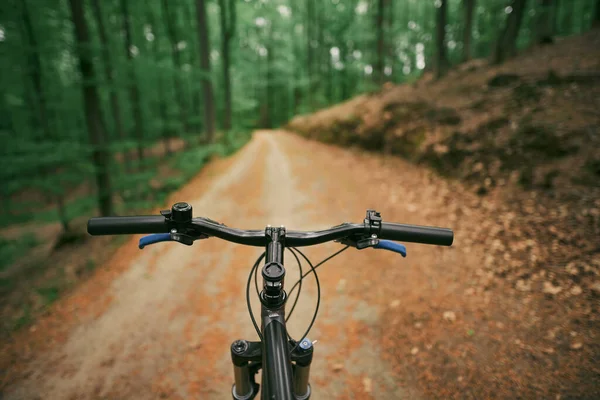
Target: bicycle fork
[{"x": 247, "y": 361}]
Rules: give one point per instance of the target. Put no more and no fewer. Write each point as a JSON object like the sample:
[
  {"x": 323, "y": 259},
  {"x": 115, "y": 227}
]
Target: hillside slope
[
  {"x": 524, "y": 138},
  {"x": 524, "y": 135},
  {"x": 533, "y": 120}
]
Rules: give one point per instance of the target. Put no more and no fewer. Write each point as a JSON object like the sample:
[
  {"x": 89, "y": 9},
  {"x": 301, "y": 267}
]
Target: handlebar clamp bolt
[
  {"x": 182, "y": 212},
  {"x": 239, "y": 346}
]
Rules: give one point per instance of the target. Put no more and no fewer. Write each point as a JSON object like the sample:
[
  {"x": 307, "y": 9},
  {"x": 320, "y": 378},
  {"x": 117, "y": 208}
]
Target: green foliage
[
  {"x": 12, "y": 249},
  {"x": 48, "y": 294},
  {"x": 286, "y": 58},
  {"x": 24, "y": 319}
]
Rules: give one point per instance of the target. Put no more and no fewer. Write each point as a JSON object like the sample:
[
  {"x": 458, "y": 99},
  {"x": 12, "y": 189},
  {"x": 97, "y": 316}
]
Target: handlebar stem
[{"x": 273, "y": 271}]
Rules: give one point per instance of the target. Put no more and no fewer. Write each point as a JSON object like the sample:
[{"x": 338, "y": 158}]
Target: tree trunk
[
  {"x": 269, "y": 90},
  {"x": 310, "y": 14},
  {"x": 108, "y": 72},
  {"x": 296, "y": 92},
  {"x": 134, "y": 94},
  {"x": 39, "y": 100},
  {"x": 172, "y": 33},
  {"x": 469, "y": 7},
  {"x": 441, "y": 61},
  {"x": 506, "y": 45},
  {"x": 193, "y": 60},
  {"x": 35, "y": 74},
  {"x": 227, "y": 32},
  {"x": 322, "y": 53},
  {"x": 544, "y": 26},
  {"x": 379, "y": 63},
  {"x": 344, "y": 89},
  {"x": 207, "y": 90},
  {"x": 93, "y": 115},
  {"x": 329, "y": 82},
  {"x": 162, "y": 106},
  {"x": 566, "y": 20}
]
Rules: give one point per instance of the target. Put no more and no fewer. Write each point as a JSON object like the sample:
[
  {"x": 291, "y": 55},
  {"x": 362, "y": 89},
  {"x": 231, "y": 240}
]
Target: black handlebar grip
[
  {"x": 417, "y": 234},
  {"x": 127, "y": 225}
]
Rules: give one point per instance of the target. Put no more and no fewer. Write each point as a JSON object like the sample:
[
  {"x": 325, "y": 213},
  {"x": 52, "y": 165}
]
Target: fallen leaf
[
  {"x": 548, "y": 350},
  {"x": 449, "y": 316},
  {"x": 549, "y": 288},
  {"x": 523, "y": 285},
  {"x": 576, "y": 290},
  {"x": 368, "y": 384},
  {"x": 337, "y": 367}
]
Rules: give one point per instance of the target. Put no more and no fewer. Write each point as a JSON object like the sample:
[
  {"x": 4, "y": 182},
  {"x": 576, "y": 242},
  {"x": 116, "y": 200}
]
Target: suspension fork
[
  {"x": 247, "y": 358},
  {"x": 286, "y": 365}
]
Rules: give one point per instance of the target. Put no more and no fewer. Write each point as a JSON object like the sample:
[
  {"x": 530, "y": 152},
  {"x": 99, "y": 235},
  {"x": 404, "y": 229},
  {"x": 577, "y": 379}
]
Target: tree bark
[
  {"x": 39, "y": 102},
  {"x": 441, "y": 60},
  {"x": 193, "y": 60},
  {"x": 468, "y": 7},
  {"x": 35, "y": 74},
  {"x": 322, "y": 52},
  {"x": 379, "y": 63},
  {"x": 268, "y": 122},
  {"x": 344, "y": 89},
  {"x": 172, "y": 33},
  {"x": 108, "y": 72},
  {"x": 310, "y": 14},
  {"x": 207, "y": 90},
  {"x": 162, "y": 106},
  {"x": 296, "y": 92},
  {"x": 93, "y": 115},
  {"x": 134, "y": 94},
  {"x": 506, "y": 46},
  {"x": 566, "y": 21},
  {"x": 544, "y": 24},
  {"x": 228, "y": 21}
]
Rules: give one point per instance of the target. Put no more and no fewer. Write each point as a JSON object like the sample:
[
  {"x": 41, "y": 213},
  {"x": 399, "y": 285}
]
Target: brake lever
[
  {"x": 186, "y": 239},
  {"x": 360, "y": 243}
]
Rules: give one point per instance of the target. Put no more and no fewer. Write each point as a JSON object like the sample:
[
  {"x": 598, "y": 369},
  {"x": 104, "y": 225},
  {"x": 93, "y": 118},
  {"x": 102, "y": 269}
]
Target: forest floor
[
  {"x": 40, "y": 261},
  {"x": 158, "y": 323}
]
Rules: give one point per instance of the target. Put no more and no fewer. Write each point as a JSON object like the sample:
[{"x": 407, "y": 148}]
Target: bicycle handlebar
[
  {"x": 128, "y": 225},
  {"x": 203, "y": 226}
]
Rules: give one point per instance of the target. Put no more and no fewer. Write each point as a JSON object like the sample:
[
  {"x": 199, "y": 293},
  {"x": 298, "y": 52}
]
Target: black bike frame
[
  {"x": 275, "y": 354},
  {"x": 277, "y": 376}
]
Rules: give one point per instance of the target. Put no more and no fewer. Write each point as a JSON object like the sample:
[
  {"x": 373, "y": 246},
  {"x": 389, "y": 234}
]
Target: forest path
[{"x": 161, "y": 325}]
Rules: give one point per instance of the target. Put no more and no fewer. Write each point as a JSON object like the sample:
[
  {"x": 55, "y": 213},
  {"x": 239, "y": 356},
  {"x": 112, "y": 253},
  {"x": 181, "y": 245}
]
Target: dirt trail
[
  {"x": 158, "y": 323},
  {"x": 166, "y": 322}
]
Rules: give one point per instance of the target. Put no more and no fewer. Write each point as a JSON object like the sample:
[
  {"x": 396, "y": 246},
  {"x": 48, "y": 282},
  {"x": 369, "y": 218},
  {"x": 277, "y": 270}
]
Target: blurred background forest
[{"x": 98, "y": 95}]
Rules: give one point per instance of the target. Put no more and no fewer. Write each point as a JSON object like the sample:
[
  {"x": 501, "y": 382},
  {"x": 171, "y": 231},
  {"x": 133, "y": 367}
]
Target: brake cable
[
  {"x": 318, "y": 297},
  {"x": 293, "y": 250},
  {"x": 299, "y": 288},
  {"x": 254, "y": 268},
  {"x": 299, "y": 281}
]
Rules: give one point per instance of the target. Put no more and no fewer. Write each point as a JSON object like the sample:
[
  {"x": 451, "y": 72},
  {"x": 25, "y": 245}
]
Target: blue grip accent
[
  {"x": 155, "y": 238},
  {"x": 392, "y": 246}
]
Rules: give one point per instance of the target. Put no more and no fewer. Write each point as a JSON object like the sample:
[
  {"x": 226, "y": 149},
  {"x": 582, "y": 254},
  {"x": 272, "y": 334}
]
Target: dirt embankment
[
  {"x": 533, "y": 121},
  {"x": 523, "y": 138}
]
